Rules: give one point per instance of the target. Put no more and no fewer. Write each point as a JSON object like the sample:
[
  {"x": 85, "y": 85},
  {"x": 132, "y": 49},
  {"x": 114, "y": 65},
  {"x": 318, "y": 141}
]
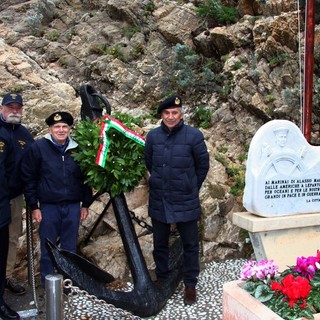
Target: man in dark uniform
[
  {"x": 6, "y": 170},
  {"x": 178, "y": 161},
  {"x": 55, "y": 189},
  {"x": 10, "y": 119}
]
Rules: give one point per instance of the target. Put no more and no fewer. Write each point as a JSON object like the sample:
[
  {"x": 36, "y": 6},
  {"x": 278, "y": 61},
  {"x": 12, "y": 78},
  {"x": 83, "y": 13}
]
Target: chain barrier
[
  {"x": 80, "y": 305},
  {"x": 141, "y": 222},
  {"x": 144, "y": 224}
]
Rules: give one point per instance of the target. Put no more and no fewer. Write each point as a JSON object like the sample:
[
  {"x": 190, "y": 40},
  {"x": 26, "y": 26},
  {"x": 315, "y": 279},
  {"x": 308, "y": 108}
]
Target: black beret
[
  {"x": 60, "y": 116},
  {"x": 171, "y": 102}
]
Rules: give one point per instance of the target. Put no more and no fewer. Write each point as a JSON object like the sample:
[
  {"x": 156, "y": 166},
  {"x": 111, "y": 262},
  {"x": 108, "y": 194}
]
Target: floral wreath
[{"x": 110, "y": 153}]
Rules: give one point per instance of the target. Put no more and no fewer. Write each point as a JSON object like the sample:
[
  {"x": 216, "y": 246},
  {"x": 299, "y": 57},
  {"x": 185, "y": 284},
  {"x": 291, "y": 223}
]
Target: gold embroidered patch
[
  {"x": 2, "y": 145},
  {"x": 22, "y": 144},
  {"x": 13, "y": 95},
  {"x": 57, "y": 117}
]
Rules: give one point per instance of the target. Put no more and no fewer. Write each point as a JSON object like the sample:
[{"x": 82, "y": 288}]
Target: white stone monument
[{"x": 283, "y": 172}]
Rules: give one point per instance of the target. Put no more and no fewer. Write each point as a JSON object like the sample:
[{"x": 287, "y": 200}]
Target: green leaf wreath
[{"x": 124, "y": 166}]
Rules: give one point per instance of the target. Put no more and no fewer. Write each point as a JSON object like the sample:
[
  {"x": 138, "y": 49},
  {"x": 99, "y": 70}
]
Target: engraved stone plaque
[{"x": 282, "y": 172}]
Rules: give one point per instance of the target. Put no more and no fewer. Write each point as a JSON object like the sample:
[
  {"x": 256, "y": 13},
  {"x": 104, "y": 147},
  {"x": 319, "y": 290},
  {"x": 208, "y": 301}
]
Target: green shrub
[
  {"x": 16, "y": 88},
  {"x": 223, "y": 149},
  {"x": 194, "y": 71},
  {"x": 202, "y": 117},
  {"x": 149, "y": 7},
  {"x": 222, "y": 159},
  {"x": 291, "y": 96},
  {"x": 235, "y": 171},
  {"x": 279, "y": 59},
  {"x": 53, "y": 35},
  {"x": 116, "y": 52},
  {"x": 215, "y": 10},
  {"x": 129, "y": 31}
]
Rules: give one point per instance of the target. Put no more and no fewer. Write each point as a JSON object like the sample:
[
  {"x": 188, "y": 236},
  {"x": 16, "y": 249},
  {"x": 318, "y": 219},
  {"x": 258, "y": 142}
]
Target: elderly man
[
  {"x": 6, "y": 170},
  {"x": 55, "y": 189},
  {"x": 178, "y": 161},
  {"x": 10, "y": 119}
]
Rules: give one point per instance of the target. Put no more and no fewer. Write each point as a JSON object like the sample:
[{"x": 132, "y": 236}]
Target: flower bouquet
[{"x": 293, "y": 293}]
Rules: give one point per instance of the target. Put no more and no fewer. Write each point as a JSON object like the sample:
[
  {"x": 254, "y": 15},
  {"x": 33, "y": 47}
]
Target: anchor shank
[{"x": 129, "y": 238}]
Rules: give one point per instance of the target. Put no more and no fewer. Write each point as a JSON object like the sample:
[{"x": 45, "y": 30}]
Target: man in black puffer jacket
[{"x": 178, "y": 161}]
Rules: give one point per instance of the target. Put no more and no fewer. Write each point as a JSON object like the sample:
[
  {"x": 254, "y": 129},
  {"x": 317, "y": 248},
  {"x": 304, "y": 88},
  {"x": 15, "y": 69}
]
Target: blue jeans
[{"x": 59, "y": 222}]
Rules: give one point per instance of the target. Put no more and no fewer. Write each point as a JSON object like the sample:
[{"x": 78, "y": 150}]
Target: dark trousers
[
  {"x": 59, "y": 222},
  {"x": 189, "y": 235},
  {"x": 4, "y": 240}
]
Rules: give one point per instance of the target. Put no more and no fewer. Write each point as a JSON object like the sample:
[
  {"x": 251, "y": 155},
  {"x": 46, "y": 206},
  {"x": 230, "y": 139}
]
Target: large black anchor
[
  {"x": 92, "y": 103},
  {"x": 146, "y": 298}
]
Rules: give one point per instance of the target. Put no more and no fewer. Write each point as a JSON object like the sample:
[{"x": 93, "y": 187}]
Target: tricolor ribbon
[{"x": 107, "y": 124}]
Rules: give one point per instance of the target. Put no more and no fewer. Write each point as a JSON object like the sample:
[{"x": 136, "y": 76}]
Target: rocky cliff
[{"x": 237, "y": 65}]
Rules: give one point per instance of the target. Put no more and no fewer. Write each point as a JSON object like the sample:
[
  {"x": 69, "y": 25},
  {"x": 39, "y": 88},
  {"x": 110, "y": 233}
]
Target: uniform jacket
[
  {"x": 51, "y": 176},
  {"x": 22, "y": 139},
  {"x": 178, "y": 162},
  {"x": 6, "y": 170}
]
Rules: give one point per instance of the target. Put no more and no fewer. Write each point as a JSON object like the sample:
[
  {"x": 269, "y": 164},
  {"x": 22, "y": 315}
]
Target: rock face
[{"x": 233, "y": 76}]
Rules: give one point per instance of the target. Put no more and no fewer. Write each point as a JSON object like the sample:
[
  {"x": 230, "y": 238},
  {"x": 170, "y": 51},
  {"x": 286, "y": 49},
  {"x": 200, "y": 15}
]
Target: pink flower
[
  {"x": 262, "y": 270},
  {"x": 307, "y": 266}
]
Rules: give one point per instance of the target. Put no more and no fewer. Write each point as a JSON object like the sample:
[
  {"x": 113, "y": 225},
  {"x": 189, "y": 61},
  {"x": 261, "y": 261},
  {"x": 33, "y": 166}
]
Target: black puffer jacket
[
  {"x": 51, "y": 176},
  {"x": 7, "y": 162},
  {"x": 178, "y": 162}
]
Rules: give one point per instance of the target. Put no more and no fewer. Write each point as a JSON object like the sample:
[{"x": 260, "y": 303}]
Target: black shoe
[
  {"x": 14, "y": 287},
  {"x": 157, "y": 282},
  {"x": 7, "y": 313},
  {"x": 190, "y": 295}
]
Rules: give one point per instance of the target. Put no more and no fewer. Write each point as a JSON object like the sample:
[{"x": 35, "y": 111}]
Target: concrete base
[
  {"x": 238, "y": 304},
  {"x": 282, "y": 239}
]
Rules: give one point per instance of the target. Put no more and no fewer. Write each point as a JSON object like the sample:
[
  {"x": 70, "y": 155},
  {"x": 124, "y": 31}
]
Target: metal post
[
  {"x": 54, "y": 297},
  {"x": 308, "y": 69}
]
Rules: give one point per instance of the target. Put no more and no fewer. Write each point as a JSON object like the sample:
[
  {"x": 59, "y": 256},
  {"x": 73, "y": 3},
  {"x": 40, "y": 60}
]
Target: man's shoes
[
  {"x": 190, "y": 295},
  {"x": 6, "y": 313},
  {"x": 157, "y": 282},
  {"x": 14, "y": 287}
]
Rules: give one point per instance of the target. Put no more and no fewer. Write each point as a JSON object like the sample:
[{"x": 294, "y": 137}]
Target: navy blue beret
[
  {"x": 171, "y": 102},
  {"x": 60, "y": 116}
]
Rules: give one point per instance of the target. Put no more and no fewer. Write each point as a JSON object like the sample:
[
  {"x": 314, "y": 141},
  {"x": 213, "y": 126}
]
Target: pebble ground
[{"x": 207, "y": 307}]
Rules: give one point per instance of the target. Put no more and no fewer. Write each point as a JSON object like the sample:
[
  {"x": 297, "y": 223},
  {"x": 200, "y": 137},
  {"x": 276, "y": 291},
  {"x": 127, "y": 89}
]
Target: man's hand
[
  {"x": 36, "y": 214},
  {"x": 84, "y": 213}
]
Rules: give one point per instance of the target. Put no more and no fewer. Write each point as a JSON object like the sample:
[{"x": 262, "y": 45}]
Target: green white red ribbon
[{"x": 107, "y": 124}]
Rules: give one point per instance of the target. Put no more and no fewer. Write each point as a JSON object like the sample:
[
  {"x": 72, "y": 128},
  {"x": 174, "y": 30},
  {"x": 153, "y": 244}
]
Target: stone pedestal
[
  {"x": 239, "y": 304},
  {"x": 282, "y": 239}
]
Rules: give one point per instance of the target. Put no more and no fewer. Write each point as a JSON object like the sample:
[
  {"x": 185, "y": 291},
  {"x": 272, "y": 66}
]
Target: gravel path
[{"x": 84, "y": 306}]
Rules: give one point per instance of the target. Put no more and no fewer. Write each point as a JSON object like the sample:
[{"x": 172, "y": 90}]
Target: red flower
[
  {"x": 293, "y": 289},
  {"x": 276, "y": 286},
  {"x": 303, "y": 304}
]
